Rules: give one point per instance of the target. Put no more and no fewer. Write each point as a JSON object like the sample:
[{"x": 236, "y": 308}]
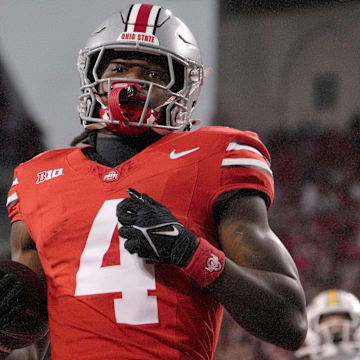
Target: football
[{"x": 29, "y": 325}]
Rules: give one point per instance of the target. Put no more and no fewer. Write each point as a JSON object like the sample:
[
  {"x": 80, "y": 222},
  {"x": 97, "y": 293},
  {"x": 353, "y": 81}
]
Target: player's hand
[
  {"x": 153, "y": 232},
  {"x": 10, "y": 289}
]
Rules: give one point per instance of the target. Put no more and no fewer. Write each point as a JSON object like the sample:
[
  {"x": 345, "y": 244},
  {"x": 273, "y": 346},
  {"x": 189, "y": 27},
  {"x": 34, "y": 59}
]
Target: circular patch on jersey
[{"x": 111, "y": 176}]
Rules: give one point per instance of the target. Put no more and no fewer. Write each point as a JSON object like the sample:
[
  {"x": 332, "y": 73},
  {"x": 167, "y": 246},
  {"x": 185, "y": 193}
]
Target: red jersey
[{"x": 104, "y": 303}]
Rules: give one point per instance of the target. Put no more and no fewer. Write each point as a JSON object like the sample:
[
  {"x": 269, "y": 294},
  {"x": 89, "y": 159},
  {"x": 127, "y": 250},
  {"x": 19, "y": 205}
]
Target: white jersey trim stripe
[
  {"x": 245, "y": 162},
  {"x": 11, "y": 199},
  {"x": 15, "y": 182},
  {"x": 236, "y": 146}
]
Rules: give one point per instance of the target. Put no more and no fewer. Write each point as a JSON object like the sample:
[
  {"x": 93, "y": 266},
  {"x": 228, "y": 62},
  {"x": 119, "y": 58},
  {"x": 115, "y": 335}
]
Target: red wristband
[{"x": 207, "y": 263}]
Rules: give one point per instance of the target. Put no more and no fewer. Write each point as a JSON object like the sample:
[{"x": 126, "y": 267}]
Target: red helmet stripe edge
[{"x": 142, "y": 18}]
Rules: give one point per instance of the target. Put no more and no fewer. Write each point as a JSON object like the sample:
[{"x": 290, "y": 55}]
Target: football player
[
  {"x": 149, "y": 230},
  {"x": 334, "y": 327}
]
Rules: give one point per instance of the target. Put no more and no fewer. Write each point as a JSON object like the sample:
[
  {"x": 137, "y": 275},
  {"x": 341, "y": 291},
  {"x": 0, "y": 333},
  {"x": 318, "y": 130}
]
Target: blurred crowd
[{"x": 316, "y": 215}]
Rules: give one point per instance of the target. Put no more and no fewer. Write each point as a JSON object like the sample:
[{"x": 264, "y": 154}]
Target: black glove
[
  {"x": 153, "y": 232},
  {"x": 10, "y": 305}
]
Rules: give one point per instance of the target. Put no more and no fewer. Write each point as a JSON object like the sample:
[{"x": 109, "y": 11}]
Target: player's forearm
[
  {"x": 36, "y": 351},
  {"x": 268, "y": 305},
  {"x": 22, "y": 354}
]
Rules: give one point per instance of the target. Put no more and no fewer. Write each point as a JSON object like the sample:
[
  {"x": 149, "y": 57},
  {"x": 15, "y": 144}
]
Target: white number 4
[{"x": 133, "y": 277}]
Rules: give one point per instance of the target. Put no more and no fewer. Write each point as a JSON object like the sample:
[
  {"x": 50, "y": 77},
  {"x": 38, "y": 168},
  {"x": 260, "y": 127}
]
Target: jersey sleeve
[
  {"x": 246, "y": 164},
  {"x": 13, "y": 201}
]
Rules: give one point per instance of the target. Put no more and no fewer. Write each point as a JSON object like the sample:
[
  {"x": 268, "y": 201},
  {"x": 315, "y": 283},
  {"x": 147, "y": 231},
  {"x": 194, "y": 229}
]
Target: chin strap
[{"x": 126, "y": 104}]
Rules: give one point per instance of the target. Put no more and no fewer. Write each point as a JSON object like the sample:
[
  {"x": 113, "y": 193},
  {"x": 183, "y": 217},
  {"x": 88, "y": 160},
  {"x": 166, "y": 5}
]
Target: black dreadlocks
[{"x": 87, "y": 137}]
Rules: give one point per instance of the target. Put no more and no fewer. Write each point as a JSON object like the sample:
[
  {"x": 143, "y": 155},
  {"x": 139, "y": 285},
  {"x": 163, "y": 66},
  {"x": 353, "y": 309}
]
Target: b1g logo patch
[{"x": 48, "y": 175}]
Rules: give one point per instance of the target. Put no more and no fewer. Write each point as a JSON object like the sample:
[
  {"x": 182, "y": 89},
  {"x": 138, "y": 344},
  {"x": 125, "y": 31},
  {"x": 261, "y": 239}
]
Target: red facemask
[{"x": 126, "y": 104}]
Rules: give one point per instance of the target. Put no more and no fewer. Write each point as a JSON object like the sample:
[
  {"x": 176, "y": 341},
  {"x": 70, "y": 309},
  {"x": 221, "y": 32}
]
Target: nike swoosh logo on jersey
[
  {"x": 173, "y": 232},
  {"x": 175, "y": 155}
]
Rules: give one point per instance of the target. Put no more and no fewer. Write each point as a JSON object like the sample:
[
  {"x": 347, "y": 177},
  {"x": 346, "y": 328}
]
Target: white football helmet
[
  {"x": 152, "y": 30},
  {"x": 337, "y": 338}
]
